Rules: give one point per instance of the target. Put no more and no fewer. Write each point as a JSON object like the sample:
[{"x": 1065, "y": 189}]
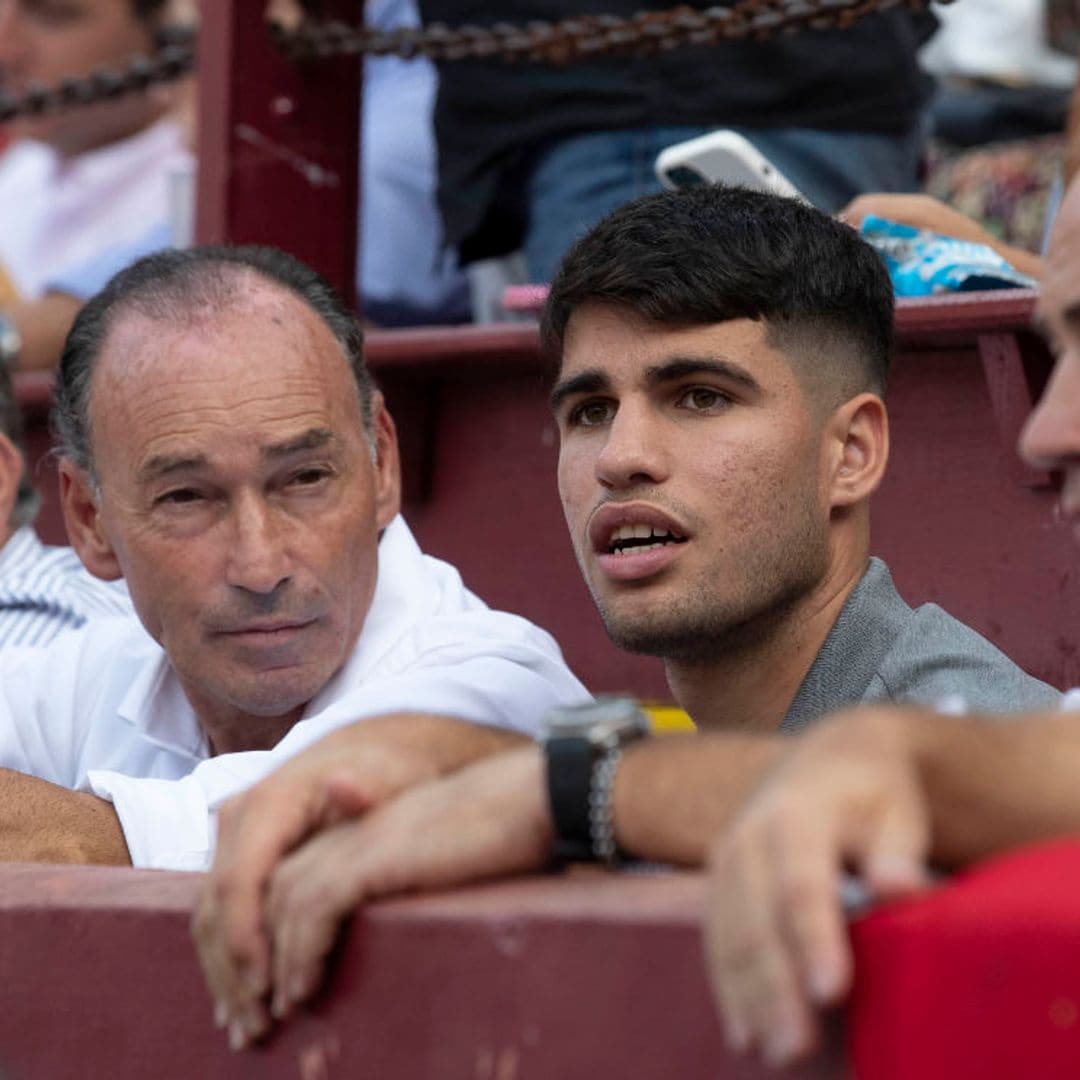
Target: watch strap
[{"x": 569, "y": 774}]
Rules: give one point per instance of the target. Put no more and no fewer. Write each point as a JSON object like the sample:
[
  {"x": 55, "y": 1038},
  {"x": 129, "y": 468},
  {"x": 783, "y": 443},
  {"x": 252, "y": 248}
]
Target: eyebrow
[
  {"x": 595, "y": 380},
  {"x": 161, "y": 465}
]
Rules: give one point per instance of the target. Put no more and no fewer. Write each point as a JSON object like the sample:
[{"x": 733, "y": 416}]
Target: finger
[
  {"x": 753, "y": 974},
  {"x": 254, "y": 831},
  {"x": 808, "y": 863},
  {"x": 893, "y": 858},
  {"x": 310, "y": 895}
]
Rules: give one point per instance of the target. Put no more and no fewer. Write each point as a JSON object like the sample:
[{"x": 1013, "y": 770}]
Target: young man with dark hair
[{"x": 721, "y": 356}]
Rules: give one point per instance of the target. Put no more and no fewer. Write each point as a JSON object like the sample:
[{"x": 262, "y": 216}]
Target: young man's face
[
  {"x": 1051, "y": 439},
  {"x": 691, "y": 475},
  {"x": 44, "y": 41}
]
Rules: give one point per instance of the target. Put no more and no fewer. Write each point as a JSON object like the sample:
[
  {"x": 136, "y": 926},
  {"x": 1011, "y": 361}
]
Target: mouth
[
  {"x": 268, "y": 631},
  {"x": 639, "y": 537},
  {"x": 635, "y": 542}
]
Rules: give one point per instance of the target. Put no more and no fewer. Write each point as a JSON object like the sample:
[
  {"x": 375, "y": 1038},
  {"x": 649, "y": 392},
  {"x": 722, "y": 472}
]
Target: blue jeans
[{"x": 581, "y": 179}]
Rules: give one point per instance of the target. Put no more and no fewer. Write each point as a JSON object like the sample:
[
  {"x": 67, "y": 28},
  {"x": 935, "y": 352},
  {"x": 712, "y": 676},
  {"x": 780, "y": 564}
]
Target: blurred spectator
[
  {"x": 407, "y": 276},
  {"x": 531, "y": 155},
  {"x": 78, "y": 183},
  {"x": 43, "y": 590},
  {"x": 998, "y": 117}
]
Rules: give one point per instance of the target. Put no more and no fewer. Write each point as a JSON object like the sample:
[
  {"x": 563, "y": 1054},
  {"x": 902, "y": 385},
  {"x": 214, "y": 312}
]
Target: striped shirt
[{"x": 45, "y": 590}]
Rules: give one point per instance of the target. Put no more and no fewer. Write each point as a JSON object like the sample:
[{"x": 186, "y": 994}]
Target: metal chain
[
  {"x": 576, "y": 39},
  {"x": 583, "y": 37},
  {"x": 171, "y": 62}
]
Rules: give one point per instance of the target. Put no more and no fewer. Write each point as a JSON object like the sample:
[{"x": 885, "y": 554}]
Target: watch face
[{"x": 607, "y": 719}]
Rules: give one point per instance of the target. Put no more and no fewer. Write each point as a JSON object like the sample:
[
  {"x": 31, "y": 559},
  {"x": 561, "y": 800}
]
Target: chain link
[
  {"x": 576, "y": 39},
  {"x": 583, "y": 37},
  {"x": 172, "y": 61}
]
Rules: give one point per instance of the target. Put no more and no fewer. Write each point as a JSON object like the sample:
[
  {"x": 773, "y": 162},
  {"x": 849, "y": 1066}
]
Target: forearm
[
  {"x": 444, "y": 743},
  {"x": 41, "y": 822},
  {"x": 993, "y": 784},
  {"x": 674, "y": 794}
]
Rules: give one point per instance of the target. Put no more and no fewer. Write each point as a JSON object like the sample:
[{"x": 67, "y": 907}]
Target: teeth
[
  {"x": 636, "y": 532},
  {"x": 637, "y": 549}
]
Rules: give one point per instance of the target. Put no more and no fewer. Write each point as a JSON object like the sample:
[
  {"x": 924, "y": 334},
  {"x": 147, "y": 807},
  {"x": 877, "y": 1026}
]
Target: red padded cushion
[{"x": 980, "y": 978}]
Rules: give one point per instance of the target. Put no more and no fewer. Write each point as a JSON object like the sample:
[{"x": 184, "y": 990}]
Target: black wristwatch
[{"x": 583, "y": 745}]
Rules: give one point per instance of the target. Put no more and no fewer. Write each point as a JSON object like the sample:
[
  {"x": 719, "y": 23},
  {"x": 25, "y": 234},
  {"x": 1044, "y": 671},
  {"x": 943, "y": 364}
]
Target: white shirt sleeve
[{"x": 171, "y": 824}]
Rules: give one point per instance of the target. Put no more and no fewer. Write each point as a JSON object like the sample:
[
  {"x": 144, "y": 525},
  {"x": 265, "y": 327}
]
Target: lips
[
  {"x": 621, "y": 528},
  {"x": 634, "y": 541}
]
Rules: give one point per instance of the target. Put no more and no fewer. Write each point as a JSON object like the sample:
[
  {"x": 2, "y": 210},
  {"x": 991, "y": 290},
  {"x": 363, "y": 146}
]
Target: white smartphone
[{"x": 722, "y": 157}]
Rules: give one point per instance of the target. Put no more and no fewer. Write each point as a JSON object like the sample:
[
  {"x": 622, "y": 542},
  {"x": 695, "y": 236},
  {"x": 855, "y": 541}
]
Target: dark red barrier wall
[
  {"x": 598, "y": 977},
  {"x": 958, "y": 519}
]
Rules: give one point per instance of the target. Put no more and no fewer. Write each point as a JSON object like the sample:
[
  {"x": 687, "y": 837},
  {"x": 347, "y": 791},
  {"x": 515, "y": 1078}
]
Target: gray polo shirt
[{"x": 881, "y": 650}]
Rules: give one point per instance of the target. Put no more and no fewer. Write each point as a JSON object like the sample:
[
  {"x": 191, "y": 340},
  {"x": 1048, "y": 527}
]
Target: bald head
[{"x": 181, "y": 289}]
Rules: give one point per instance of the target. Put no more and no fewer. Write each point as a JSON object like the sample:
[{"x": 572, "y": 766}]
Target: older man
[
  {"x": 722, "y": 357},
  {"x": 225, "y": 453}
]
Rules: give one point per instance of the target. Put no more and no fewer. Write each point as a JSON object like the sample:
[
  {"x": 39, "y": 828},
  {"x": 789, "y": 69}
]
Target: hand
[
  {"x": 287, "y": 14},
  {"x": 846, "y": 795},
  {"x": 919, "y": 211},
  {"x": 488, "y": 820},
  {"x": 341, "y": 776}
]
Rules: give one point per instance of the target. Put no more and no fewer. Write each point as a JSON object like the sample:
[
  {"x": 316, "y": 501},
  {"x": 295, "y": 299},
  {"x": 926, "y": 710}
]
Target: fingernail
[
  {"x": 221, "y": 1014},
  {"x": 279, "y": 1006},
  {"x": 237, "y": 1036},
  {"x": 824, "y": 983},
  {"x": 297, "y": 991},
  {"x": 738, "y": 1037},
  {"x": 781, "y": 1045}
]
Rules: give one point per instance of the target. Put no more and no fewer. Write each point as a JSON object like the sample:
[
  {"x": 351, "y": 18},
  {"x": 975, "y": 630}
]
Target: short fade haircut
[
  {"x": 708, "y": 254},
  {"x": 172, "y": 286},
  {"x": 27, "y": 498}
]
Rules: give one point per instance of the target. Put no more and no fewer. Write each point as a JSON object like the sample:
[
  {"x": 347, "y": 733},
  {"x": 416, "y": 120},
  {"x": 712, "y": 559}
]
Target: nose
[
  {"x": 633, "y": 451},
  {"x": 258, "y": 560},
  {"x": 1051, "y": 436}
]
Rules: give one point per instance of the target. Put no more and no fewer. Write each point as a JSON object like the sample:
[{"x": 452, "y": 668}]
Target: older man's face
[
  {"x": 44, "y": 41},
  {"x": 1051, "y": 439},
  {"x": 240, "y": 498}
]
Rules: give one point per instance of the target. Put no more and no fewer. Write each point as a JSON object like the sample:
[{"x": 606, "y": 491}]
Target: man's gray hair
[
  {"x": 27, "y": 499},
  {"x": 171, "y": 286}
]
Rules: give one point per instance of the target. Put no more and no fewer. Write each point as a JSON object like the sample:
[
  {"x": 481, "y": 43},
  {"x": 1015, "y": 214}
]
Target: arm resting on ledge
[
  {"x": 42, "y": 822},
  {"x": 883, "y": 792}
]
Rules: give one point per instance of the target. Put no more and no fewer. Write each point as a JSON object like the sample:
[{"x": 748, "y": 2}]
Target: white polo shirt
[
  {"x": 102, "y": 710},
  {"x": 57, "y": 214}
]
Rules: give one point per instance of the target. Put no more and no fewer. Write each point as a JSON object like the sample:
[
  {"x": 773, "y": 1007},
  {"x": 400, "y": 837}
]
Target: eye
[
  {"x": 590, "y": 413},
  {"x": 178, "y": 497},
  {"x": 309, "y": 477},
  {"x": 703, "y": 399}
]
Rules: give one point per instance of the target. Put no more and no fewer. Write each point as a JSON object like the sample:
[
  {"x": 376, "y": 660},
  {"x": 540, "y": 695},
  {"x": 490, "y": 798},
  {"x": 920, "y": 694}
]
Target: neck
[
  {"x": 750, "y": 686},
  {"x": 242, "y": 732}
]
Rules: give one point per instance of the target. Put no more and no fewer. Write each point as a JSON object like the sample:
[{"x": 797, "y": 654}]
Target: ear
[
  {"x": 857, "y": 437},
  {"x": 85, "y": 529},
  {"x": 387, "y": 463},
  {"x": 11, "y": 470}
]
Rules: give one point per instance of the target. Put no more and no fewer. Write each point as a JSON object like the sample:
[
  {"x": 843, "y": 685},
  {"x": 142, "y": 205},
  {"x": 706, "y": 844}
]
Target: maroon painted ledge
[{"x": 553, "y": 978}]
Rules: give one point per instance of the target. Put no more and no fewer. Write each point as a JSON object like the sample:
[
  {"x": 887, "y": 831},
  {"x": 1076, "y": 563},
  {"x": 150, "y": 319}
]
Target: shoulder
[{"x": 936, "y": 656}]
